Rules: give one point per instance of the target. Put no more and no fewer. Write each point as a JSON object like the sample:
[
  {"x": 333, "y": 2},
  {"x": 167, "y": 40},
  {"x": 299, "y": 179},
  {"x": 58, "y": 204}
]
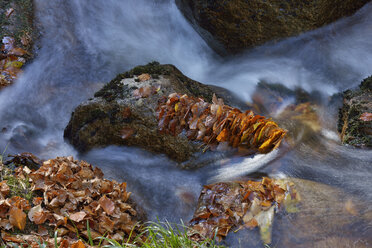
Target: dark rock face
[
  {"x": 118, "y": 116},
  {"x": 354, "y": 124},
  {"x": 234, "y": 25}
]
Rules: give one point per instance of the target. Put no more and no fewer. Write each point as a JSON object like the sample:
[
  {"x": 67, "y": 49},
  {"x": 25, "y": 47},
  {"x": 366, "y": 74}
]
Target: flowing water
[{"x": 86, "y": 43}]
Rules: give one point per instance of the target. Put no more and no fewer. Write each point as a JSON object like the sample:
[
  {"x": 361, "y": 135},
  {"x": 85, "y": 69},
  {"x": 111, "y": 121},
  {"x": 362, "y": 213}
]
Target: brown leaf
[
  {"x": 17, "y": 51},
  {"x": 37, "y": 215},
  {"x": 4, "y": 188},
  {"x": 106, "y": 224},
  {"x": 143, "y": 92},
  {"x": 252, "y": 223},
  {"x": 366, "y": 116},
  {"x": 64, "y": 244},
  {"x": 42, "y": 231},
  {"x": 11, "y": 238},
  {"x": 107, "y": 204},
  {"x": 144, "y": 77},
  {"x": 19, "y": 202},
  {"x": 126, "y": 113},
  {"x": 17, "y": 218},
  {"x": 77, "y": 217},
  {"x": 25, "y": 39},
  {"x": 37, "y": 200},
  {"x": 126, "y": 132}
]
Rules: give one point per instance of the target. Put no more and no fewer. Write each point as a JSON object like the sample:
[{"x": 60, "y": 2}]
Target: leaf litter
[
  {"x": 219, "y": 126},
  {"x": 70, "y": 195},
  {"x": 12, "y": 59},
  {"x": 238, "y": 205}
]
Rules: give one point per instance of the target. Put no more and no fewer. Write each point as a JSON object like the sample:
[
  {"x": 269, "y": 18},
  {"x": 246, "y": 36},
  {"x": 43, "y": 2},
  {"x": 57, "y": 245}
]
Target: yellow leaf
[
  {"x": 17, "y": 218},
  {"x": 222, "y": 136},
  {"x": 269, "y": 142}
]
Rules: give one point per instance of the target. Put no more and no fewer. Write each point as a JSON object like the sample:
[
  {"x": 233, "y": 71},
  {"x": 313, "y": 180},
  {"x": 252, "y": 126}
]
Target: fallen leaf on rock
[
  {"x": 223, "y": 206},
  {"x": 126, "y": 113},
  {"x": 17, "y": 51},
  {"x": 142, "y": 92},
  {"x": 126, "y": 132},
  {"x": 144, "y": 77},
  {"x": 25, "y": 39},
  {"x": 217, "y": 124},
  {"x": 351, "y": 208},
  {"x": 17, "y": 218},
  {"x": 366, "y": 116}
]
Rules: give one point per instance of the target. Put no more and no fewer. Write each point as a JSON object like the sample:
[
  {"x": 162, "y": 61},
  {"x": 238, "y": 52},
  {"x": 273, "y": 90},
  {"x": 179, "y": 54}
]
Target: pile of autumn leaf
[
  {"x": 12, "y": 59},
  {"x": 224, "y": 206},
  {"x": 217, "y": 125},
  {"x": 69, "y": 196}
]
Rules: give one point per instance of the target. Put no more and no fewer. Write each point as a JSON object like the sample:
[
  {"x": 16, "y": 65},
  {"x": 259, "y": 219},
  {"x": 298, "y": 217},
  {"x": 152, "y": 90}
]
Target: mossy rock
[
  {"x": 354, "y": 130},
  {"x": 234, "y": 25},
  {"x": 20, "y": 24},
  {"x": 116, "y": 117}
]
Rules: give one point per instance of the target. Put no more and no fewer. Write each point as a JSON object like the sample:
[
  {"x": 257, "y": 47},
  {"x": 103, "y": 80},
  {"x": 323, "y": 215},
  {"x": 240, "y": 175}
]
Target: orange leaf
[
  {"x": 144, "y": 77},
  {"x": 222, "y": 136},
  {"x": 37, "y": 200},
  {"x": 17, "y": 218},
  {"x": 252, "y": 223},
  {"x": 18, "y": 51},
  {"x": 78, "y": 244},
  {"x": 366, "y": 116},
  {"x": 107, "y": 204}
]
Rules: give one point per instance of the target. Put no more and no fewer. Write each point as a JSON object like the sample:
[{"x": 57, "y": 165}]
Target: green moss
[
  {"x": 19, "y": 187},
  {"x": 115, "y": 88},
  {"x": 366, "y": 84},
  {"x": 154, "y": 68},
  {"x": 356, "y": 102},
  {"x": 112, "y": 89}
]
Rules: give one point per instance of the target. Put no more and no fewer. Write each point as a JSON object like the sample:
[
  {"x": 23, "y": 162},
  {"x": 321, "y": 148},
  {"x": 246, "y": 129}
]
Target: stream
[{"x": 86, "y": 43}]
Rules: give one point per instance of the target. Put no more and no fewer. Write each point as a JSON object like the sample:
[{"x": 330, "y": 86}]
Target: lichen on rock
[{"x": 356, "y": 130}]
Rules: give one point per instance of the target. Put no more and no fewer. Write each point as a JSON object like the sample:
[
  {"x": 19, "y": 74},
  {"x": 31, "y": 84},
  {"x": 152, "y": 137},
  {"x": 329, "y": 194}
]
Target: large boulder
[
  {"x": 124, "y": 112},
  {"x": 355, "y": 116},
  {"x": 234, "y": 25}
]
